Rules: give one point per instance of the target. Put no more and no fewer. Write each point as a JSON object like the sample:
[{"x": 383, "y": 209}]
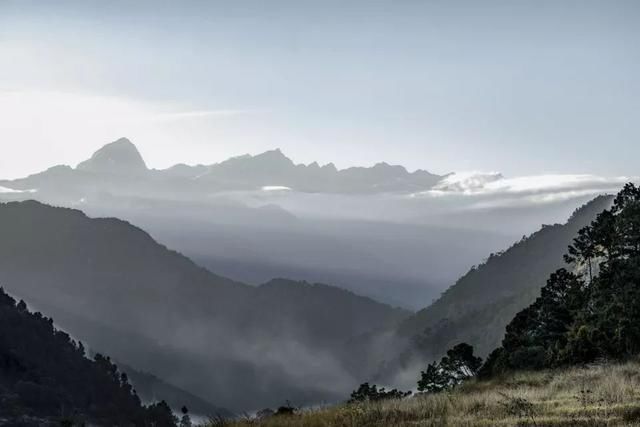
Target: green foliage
[
  {"x": 534, "y": 334},
  {"x": 45, "y": 374},
  {"x": 478, "y": 307},
  {"x": 576, "y": 321},
  {"x": 285, "y": 410},
  {"x": 456, "y": 367},
  {"x": 495, "y": 363},
  {"x": 185, "y": 420},
  {"x": 433, "y": 379},
  {"x": 371, "y": 393}
]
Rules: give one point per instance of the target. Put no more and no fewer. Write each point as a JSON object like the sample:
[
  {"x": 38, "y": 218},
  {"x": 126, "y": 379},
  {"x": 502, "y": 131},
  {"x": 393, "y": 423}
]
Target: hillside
[
  {"x": 589, "y": 310},
  {"x": 569, "y": 358},
  {"x": 604, "y": 395},
  {"x": 479, "y": 305},
  {"x": 111, "y": 285},
  {"x": 45, "y": 377}
]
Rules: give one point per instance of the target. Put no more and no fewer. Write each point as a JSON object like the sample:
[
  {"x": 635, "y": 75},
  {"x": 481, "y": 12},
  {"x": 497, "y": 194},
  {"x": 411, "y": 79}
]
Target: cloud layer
[{"x": 493, "y": 190}]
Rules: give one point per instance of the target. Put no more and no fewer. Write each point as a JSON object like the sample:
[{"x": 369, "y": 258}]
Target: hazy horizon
[{"x": 517, "y": 88}]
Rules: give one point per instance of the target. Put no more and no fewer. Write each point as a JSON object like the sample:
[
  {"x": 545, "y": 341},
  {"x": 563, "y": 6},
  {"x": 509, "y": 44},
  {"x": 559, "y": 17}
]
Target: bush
[{"x": 371, "y": 393}]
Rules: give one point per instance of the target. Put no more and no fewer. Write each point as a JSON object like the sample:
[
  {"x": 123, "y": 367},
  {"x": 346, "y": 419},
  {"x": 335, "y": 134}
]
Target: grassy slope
[{"x": 594, "y": 396}]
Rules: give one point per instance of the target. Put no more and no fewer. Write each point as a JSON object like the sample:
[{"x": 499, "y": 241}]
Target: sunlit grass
[{"x": 606, "y": 395}]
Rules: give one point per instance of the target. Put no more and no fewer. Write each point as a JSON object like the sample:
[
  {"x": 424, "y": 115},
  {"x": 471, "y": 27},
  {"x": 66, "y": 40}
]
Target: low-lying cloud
[
  {"x": 493, "y": 190},
  {"x": 5, "y": 190}
]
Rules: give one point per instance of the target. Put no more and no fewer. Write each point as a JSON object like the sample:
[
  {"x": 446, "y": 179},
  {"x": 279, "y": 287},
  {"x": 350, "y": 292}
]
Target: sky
[{"x": 519, "y": 87}]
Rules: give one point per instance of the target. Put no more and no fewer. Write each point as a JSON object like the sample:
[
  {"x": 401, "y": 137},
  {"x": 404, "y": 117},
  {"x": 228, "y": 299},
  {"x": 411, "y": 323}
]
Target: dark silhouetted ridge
[{"x": 46, "y": 378}]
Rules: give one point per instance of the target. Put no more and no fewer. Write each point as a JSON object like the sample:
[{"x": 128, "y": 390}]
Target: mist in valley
[
  {"x": 245, "y": 341},
  {"x": 209, "y": 208}
]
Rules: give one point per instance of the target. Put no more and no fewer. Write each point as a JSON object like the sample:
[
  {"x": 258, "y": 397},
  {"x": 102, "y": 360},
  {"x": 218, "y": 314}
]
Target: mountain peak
[
  {"x": 275, "y": 157},
  {"x": 384, "y": 166},
  {"x": 118, "y": 157},
  {"x": 273, "y": 153}
]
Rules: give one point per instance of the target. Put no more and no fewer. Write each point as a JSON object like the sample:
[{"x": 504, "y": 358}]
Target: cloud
[
  {"x": 493, "y": 190},
  {"x": 545, "y": 184},
  {"x": 45, "y": 127},
  {"x": 12, "y": 191},
  {"x": 100, "y": 108},
  {"x": 275, "y": 188},
  {"x": 200, "y": 114},
  {"x": 466, "y": 182}
]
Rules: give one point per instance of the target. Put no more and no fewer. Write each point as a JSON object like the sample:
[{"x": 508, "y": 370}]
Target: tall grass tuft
[{"x": 600, "y": 395}]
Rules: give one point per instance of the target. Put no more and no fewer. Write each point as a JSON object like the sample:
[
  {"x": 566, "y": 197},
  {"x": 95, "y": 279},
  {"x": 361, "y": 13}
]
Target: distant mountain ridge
[
  {"x": 244, "y": 201},
  {"x": 275, "y": 169},
  {"x": 121, "y": 159}
]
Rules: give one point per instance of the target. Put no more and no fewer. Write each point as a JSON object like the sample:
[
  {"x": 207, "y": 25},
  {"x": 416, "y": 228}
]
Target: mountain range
[
  {"x": 112, "y": 286},
  {"x": 270, "y": 170},
  {"x": 221, "y": 342},
  {"x": 240, "y": 219}
]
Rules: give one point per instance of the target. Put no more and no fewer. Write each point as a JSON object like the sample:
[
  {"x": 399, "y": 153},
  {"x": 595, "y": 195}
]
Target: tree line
[
  {"x": 45, "y": 375},
  {"x": 587, "y": 312}
]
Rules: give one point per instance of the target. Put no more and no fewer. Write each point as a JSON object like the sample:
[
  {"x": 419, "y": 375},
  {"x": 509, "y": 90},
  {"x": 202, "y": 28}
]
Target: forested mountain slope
[
  {"x": 45, "y": 378},
  {"x": 479, "y": 305},
  {"x": 583, "y": 315}
]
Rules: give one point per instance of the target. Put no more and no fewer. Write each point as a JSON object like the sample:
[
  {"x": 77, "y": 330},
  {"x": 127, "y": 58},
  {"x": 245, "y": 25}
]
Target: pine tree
[
  {"x": 433, "y": 379},
  {"x": 185, "y": 421},
  {"x": 457, "y": 366},
  {"x": 574, "y": 322}
]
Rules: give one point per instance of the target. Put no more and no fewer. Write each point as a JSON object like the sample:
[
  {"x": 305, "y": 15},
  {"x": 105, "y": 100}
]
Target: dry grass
[{"x": 596, "y": 396}]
